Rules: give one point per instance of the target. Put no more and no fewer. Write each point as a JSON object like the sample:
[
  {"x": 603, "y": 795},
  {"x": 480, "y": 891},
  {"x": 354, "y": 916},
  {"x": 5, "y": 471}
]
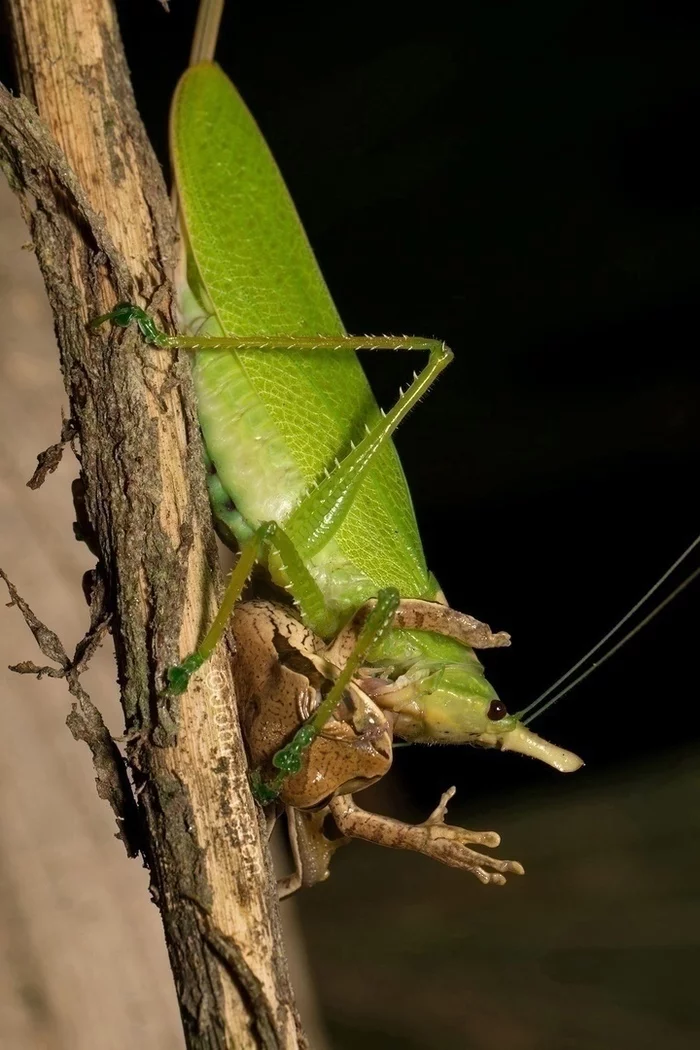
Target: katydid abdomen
[{"x": 274, "y": 422}]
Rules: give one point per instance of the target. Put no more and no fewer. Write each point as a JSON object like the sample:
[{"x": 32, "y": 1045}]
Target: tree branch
[{"x": 93, "y": 197}]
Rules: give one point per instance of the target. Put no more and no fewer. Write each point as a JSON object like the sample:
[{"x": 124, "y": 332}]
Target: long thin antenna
[
  {"x": 618, "y": 645},
  {"x": 613, "y": 631},
  {"x": 204, "y": 38},
  {"x": 206, "y": 31}
]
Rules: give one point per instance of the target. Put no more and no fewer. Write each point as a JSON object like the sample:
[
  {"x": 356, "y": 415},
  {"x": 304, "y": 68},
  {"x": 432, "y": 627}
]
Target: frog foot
[{"x": 443, "y": 842}]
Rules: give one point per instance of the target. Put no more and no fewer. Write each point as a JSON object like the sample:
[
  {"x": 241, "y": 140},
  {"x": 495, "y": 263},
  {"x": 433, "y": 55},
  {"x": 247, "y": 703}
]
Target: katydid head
[{"x": 454, "y": 704}]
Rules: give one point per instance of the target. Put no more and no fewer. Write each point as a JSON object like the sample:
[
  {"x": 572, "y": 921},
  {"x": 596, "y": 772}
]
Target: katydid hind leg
[
  {"x": 318, "y": 516},
  {"x": 316, "y": 519}
]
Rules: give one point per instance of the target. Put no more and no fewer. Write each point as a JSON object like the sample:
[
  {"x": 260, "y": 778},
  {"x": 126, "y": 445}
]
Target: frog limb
[
  {"x": 311, "y": 847},
  {"x": 289, "y": 884},
  {"x": 414, "y": 614},
  {"x": 433, "y": 837}
]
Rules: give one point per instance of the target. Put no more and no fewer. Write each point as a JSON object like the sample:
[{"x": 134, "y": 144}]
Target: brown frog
[{"x": 283, "y": 670}]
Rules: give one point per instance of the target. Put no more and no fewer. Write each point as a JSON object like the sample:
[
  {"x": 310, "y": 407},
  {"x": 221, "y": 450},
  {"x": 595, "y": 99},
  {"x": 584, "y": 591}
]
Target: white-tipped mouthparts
[{"x": 527, "y": 743}]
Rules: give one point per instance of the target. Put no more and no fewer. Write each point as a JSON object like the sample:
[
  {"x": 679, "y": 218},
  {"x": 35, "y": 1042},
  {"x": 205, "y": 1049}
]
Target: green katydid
[{"x": 302, "y": 473}]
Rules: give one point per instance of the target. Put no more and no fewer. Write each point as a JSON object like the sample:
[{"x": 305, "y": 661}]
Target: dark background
[{"x": 519, "y": 179}]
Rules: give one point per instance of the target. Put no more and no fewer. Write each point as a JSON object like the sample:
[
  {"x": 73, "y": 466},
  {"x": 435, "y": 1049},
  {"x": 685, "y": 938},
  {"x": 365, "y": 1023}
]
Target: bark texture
[{"x": 97, "y": 209}]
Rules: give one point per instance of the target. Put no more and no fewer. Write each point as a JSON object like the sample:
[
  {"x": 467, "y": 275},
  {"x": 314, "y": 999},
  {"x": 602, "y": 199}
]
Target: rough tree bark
[{"x": 96, "y": 205}]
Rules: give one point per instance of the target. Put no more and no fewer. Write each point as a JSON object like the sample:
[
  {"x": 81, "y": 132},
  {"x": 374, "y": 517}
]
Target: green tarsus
[
  {"x": 288, "y": 760},
  {"x": 178, "y": 677},
  {"x": 125, "y": 314}
]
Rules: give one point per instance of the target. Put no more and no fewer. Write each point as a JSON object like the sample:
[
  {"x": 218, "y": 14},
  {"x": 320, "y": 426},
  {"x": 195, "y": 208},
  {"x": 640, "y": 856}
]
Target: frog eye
[{"x": 497, "y": 710}]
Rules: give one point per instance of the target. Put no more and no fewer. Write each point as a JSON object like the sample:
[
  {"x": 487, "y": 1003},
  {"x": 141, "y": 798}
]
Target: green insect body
[
  {"x": 277, "y": 422},
  {"x": 296, "y": 442},
  {"x": 274, "y": 422}
]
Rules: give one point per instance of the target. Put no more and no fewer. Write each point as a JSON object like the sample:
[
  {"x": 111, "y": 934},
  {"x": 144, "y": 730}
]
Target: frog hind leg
[
  {"x": 443, "y": 842},
  {"x": 312, "y": 844}
]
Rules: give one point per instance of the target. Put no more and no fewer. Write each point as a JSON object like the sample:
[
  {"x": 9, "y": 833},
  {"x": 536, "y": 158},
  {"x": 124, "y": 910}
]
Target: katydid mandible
[{"x": 302, "y": 473}]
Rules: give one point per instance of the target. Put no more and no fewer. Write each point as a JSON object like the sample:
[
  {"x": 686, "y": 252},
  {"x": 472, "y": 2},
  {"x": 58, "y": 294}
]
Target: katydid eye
[{"x": 497, "y": 710}]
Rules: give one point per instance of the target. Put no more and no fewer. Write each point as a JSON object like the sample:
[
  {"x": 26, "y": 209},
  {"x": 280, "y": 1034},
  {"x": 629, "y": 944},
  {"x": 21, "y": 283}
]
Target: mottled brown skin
[
  {"x": 283, "y": 685},
  {"x": 413, "y": 614},
  {"x": 433, "y": 837},
  {"x": 314, "y": 837},
  {"x": 281, "y": 675}
]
